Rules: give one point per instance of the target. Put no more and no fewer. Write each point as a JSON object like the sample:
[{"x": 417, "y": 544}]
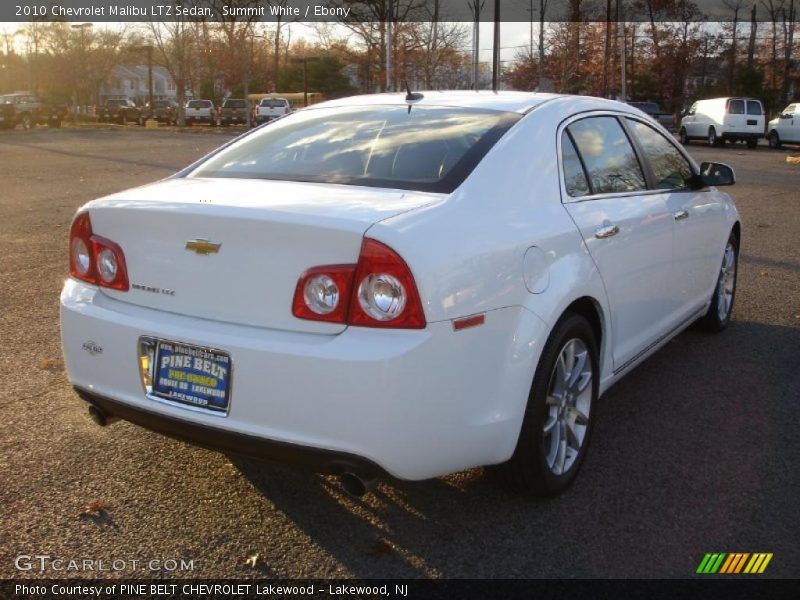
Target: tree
[
  {"x": 324, "y": 76},
  {"x": 175, "y": 44}
]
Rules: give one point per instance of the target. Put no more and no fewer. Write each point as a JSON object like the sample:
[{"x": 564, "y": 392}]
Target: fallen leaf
[
  {"x": 51, "y": 364},
  {"x": 381, "y": 548},
  {"x": 96, "y": 508},
  {"x": 253, "y": 561}
]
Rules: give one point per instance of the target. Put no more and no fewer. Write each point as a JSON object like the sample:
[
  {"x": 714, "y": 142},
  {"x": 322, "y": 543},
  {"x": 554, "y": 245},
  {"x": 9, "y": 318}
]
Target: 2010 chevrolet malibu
[{"x": 401, "y": 284}]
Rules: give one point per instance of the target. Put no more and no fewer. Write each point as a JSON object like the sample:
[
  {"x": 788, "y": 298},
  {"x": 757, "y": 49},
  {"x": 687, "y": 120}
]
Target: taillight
[
  {"x": 379, "y": 291},
  {"x": 95, "y": 259}
]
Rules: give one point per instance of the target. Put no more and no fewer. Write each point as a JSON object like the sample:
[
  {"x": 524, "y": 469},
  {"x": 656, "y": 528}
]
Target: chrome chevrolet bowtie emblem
[{"x": 203, "y": 247}]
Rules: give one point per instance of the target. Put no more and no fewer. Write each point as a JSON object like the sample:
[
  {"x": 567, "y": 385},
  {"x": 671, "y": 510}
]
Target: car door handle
[
  {"x": 606, "y": 230},
  {"x": 681, "y": 215}
]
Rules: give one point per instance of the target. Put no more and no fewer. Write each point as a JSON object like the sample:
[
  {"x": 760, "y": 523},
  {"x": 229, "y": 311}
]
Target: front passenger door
[{"x": 627, "y": 229}]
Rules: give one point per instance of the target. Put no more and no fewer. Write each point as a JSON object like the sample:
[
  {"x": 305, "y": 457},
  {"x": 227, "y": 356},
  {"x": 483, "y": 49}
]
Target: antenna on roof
[{"x": 411, "y": 96}]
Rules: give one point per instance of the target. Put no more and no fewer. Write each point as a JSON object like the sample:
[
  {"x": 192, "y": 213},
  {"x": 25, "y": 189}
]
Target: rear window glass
[
  {"x": 273, "y": 103},
  {"x": 754, "y": 108},
  {"x": 651, "y": 108},
  {"x": 200, "y": 104},
  {"x": 736, "y": 107},
  {"x": 429, "y": 149},
  {"x": 608, "y": 156},
  {"x": 235, "y": 104}
]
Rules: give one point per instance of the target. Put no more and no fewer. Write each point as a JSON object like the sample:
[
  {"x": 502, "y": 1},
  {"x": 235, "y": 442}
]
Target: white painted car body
[
  {"x": 787, "y": 125},
  {"x": 509, "y": 244},
  {"x": 730, "y": 118}
]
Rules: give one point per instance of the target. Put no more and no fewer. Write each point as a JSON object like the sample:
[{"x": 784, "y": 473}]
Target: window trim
[{"x": 562, "y": 183}]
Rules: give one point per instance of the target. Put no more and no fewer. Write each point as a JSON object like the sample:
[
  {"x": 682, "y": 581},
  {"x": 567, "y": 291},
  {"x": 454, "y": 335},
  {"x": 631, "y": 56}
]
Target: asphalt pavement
[{"x": 696, "y": 451}]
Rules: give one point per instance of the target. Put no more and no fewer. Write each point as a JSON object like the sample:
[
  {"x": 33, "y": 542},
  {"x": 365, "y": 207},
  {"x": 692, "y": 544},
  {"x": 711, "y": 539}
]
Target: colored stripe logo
[{"x": 734, "y": 563}]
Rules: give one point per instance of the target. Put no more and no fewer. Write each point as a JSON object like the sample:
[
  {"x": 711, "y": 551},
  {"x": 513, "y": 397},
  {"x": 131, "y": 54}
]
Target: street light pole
[{"x": 82, "y": 27}]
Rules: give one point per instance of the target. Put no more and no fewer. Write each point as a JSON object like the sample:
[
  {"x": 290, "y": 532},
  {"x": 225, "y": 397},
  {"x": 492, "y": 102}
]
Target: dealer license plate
[{"x": 191, "y": 375}]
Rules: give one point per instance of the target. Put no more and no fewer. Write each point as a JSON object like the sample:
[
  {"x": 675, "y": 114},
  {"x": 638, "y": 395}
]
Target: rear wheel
[
  {"x": 774, "y": 140},
  {"x": 684, "y": 139},
  {"x": 26, "y": 121},
  {"x": 719, "y": 313},
  {"x": 555, "y": 431},
  {"x": 713, "y": 140},
  {"x": 752, "y": 143}
]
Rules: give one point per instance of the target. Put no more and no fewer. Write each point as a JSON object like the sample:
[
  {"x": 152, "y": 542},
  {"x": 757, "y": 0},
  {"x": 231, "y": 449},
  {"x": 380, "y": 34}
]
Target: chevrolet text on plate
[{"x": 401, "y": 285}]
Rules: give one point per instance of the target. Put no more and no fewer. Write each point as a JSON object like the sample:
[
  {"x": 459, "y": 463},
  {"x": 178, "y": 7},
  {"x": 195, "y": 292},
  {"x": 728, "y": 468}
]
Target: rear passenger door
[{"x": 627, "y": 228}]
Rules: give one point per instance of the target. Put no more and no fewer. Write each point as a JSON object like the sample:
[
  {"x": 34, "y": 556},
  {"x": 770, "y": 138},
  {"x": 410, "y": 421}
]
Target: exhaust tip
[
  {"x": 98, "y": 416},
  {"x": 355, "y": 485}
]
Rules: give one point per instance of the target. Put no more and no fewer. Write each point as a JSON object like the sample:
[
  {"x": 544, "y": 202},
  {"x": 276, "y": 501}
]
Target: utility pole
[
  {"x": 389, "y": 46},
  {"x": 496, "y": 46},
  {"x": 623, "y": 61},
  {"x": 150, "y": 74},
  {"x": 82, "y": 27}
]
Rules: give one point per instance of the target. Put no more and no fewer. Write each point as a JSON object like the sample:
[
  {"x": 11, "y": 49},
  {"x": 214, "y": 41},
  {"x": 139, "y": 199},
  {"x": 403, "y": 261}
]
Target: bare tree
[
  {"x": 735, "y": 6},
  {"x": 175, "y": 44}
]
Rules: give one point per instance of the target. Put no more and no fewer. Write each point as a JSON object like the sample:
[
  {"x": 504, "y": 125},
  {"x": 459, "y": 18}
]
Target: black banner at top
[{"x": 400, "y": 10}]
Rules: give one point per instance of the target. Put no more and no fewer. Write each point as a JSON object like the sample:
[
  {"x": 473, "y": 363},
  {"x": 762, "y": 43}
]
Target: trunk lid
[{"x": 269, "y": 233}]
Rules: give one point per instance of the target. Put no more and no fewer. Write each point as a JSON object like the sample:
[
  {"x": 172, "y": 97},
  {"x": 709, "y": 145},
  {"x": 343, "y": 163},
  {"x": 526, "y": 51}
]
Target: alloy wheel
[
  {"x": 726, "y": 283},
  {"x": 569, "y": 401}
]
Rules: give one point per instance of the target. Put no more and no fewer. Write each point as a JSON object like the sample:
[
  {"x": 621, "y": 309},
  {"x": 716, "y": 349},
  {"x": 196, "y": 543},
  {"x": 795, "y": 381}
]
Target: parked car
[
  {"x": 163, "y": 111},
  {"x": 234, "y": 112},
  {"x": 411, "y": 287},
  {"x": 200, "y": 111},
  {"x": 785, "y": 129},
  {"x": 721, "y": 120},
  {"x": 27, "y": 110},
  {"x": 272, "y": 108},
  {"x": 120, "y": 110},
  {"x": 667, "y": 120}
]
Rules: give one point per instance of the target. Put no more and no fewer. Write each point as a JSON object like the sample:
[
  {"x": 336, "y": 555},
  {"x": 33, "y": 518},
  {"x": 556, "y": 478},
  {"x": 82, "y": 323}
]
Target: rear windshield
[
  {"x": 273, "y": 103},
  {"x": 754, "y": 108},
  {"x": 200, "y": 104},
  {"x": 430, "y": 149},
  {"x": 651, "y": 108},
  {"x": 736, "y": 107},
  {"x": 162, "y": 104},
  {"x": 234, "y": 104},
  {"x": 116, "y": 103}
]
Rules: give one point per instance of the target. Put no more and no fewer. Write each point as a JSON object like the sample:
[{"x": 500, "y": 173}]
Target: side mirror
[{"x": 716, "y": 174}]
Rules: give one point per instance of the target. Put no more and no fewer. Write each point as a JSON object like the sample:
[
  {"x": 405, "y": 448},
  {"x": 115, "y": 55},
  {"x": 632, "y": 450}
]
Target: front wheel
[
  {"x": 27, "y": 121},
  {"x": 719, "y": 312},
  {"x": 752, "y": 143},
  {"x": 774, "y": 140},
  {"x": 555, "y": 430},
  {"x": 683, "y": 138}
]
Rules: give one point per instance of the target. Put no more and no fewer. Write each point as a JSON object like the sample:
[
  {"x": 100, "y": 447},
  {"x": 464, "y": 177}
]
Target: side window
[
  {"x": 735, "y": 107},
  {"x": 790, "y": 110},
  {"x": 671, "y": 170},
  {"x": 574, "y": 176},
  {"x": 754, "y": 107},
  {"x": 610, "y": 161}
]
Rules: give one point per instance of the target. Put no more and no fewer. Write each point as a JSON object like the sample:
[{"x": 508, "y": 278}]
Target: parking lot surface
[{"x": 695, "y": 451}]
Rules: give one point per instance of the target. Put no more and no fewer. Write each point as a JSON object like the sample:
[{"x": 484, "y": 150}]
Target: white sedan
[{"x": 401, "y": 285}]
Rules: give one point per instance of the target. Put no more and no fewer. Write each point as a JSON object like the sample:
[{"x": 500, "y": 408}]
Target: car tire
[
  {"x": 55, "y": 124},
  {"x": 721, "y": 308},
  {"x": 26, "y": 121},
  {"x": 713, "y": 139},
  {"x": 682, "y": 137},
  {"x": 545, "y": 461},
  {"x": 752, "y": 144},
  {"x": 774, "y": 140}
]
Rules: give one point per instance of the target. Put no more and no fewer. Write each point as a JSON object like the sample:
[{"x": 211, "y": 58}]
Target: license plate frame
[{"x": 178, "y": 377}]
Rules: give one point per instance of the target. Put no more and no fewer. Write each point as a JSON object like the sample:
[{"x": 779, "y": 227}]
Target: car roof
[{"x": 520, "y": 102}]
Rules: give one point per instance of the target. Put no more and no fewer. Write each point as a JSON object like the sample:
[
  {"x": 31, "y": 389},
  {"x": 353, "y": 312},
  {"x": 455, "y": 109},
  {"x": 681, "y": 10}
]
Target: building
[{"x": 131, "y": 81}]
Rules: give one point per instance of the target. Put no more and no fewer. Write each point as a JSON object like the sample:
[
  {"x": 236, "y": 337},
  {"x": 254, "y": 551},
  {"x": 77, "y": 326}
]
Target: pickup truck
[
  {"x": 272, "y": 108},
  {"x": 163, "y": 111},
  {"x": 24, "y": 108},
  {"x": 200, "y": 111},
  {"x": 654, "y": 111},
  {"x": 120, "y": 110},
  {"x": 233, "y": 111}
]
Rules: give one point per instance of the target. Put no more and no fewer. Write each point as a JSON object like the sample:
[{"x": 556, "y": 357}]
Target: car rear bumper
[
  {"x": 743, "y": 135},
  {"x": 414, "y": 403}
]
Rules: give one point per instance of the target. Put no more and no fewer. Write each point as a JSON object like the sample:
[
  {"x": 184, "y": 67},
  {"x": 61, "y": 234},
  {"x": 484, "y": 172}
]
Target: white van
[
  {"x": 785, "y": 128},
  {"x": 718, "y": 120}
]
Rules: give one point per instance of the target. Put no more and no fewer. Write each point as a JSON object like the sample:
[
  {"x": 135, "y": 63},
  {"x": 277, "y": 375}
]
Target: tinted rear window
[
  {"x": 651, "y": 108},
  {"x": 736, "y": 107},
  {"x": 235, "y": 104},
  {"x": 754, "y": 108},
  {"x": 200, "y": 104},
  {"x": 273, "y": 103},
  {"x": 429, "y": 149}
]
